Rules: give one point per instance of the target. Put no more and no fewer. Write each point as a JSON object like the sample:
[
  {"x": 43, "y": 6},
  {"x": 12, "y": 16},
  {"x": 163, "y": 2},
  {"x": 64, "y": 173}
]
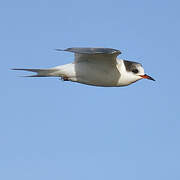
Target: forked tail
[{"x": 42, "y": 72}]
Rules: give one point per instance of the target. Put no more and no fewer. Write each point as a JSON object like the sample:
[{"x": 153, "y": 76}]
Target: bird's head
[{"x": 132, "y": 72}]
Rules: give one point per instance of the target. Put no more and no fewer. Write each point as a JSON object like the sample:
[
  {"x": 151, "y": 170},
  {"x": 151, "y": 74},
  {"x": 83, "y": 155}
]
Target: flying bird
[{"x": 97, "y": 67}]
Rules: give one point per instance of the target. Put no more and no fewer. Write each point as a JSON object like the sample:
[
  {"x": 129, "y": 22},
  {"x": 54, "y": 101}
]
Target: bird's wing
[{"x": 86, "y": 54}]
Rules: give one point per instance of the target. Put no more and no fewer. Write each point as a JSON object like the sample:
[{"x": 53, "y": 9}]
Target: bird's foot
[{"x": 64, "y": 78}]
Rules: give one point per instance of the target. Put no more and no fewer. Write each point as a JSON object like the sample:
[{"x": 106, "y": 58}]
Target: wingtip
[
  {"x": 15, "y": 69},
  {"x": 59, "y": 49},
  {"x": 18, "y": 69}
]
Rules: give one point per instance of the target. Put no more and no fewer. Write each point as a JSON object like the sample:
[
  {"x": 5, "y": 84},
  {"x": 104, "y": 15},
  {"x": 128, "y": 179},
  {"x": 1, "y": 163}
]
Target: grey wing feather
[{"x": 92, "y": 50}]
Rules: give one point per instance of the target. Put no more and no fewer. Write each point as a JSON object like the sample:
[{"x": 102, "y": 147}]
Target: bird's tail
[{"x": 42, "y": 72}]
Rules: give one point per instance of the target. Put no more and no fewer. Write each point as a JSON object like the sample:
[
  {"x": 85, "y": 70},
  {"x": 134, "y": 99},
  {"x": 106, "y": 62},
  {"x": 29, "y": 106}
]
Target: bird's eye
[{"x": 135, "y": 71}]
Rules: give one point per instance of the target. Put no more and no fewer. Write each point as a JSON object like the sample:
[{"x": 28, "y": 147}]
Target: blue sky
[{"x": 51, "y": 129}]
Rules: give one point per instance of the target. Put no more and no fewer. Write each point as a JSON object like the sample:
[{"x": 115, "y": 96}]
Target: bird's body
[{"x": 97, "y": 67}]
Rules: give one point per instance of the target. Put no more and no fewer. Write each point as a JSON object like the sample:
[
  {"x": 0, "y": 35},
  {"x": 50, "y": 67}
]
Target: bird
[{"x": 95, "y": 67}]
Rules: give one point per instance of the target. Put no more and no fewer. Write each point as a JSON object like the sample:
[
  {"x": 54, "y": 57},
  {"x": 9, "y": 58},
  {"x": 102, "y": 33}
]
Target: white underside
[{"x": 93, "y": 73}]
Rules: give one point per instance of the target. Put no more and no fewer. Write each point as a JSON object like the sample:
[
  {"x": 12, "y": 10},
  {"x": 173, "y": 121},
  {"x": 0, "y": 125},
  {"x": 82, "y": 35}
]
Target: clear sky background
[{"x": 57, "y": 130}]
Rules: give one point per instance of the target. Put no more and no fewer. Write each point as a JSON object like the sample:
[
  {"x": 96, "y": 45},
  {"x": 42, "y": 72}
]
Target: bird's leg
[{"x": 64, "y": 78}]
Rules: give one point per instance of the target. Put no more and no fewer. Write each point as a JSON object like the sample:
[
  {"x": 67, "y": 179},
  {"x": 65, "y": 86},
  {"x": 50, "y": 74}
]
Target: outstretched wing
[
  {"x": 92, "y": 50},
  {"x": 85, "y": 54}
]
